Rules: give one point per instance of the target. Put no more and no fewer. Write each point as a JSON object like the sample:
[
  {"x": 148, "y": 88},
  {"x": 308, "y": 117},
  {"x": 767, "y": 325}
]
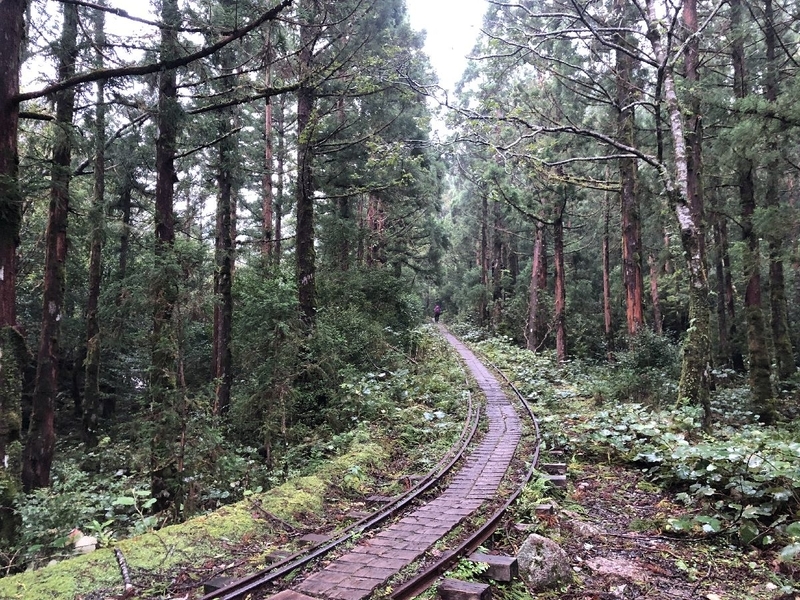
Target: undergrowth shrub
[
  {"x": 742, "y": 480},
  {"x": 645, "y": 373}
]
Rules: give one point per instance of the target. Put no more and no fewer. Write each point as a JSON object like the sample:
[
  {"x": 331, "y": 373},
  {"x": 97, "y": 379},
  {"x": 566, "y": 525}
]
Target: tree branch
[{"x": 165, "y": 65}]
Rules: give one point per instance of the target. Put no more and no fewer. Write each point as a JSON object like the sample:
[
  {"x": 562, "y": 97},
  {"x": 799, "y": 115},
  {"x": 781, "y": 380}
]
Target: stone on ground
[{"x": 543, "y": 564}]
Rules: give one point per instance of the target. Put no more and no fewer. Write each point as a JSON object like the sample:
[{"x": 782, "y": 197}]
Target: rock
[
  {"x": 543, "y": 564},
  {"x": 85, "y": 544},
  {"x": 579, "y": 529},
  {"x": 621, "y": 568}
]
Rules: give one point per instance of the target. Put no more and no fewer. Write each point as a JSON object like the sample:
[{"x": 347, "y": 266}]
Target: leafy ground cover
[
  {"x": 402, "y": 421},
  {"x": 656, "y": 507}
]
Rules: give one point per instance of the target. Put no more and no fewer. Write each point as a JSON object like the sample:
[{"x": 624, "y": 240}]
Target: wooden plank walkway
[{"x": 371, "y": 563}]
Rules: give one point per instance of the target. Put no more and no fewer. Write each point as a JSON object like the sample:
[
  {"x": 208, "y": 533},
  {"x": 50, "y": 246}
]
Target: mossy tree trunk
[
  {"x": 40, "y": 442},
  {"x": 91, "y": 394},
  {"x": 695, "y": 384},
  {"x": 306, "y": 97},
  {"x": 225, "y": 240},
  {"x": 12, "y": 27},
  {"x": 784, "y": 355},
  {"x": 760, "y": 364},
  {"x": 12, "y": 360},
  {"x": 166, "y": 481}
]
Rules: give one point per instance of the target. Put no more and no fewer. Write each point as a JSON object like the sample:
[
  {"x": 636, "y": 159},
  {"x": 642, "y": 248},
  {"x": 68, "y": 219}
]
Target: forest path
[{"x": 371, "y": 563}]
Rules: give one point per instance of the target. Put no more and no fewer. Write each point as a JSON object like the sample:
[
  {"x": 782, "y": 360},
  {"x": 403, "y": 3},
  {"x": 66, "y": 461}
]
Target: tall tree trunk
[
  {"x": 658, "y": 321},
  {"x": 268, "y": 197},
  {"x": 784, "y": 355},
  {"x": 12, "y": 29},
  {"x": 534, "y": 311},
  {"x": 497, "y": 266},
  {"x": 760, "y": 364},
  {"x": 560, "y": 288},
  {"x": 225, "y": 239},
  {"x": 695, "y": 382},
  {"x": 608, "y": 329},
  {"x": 306, "y": 256},
  {"x": 628, "y": 175},
  {"x": 483, "y": 258},
  {"x": 91, "y": 393},
  {"x": 280, "y": 160},
  {"x": 727, "y": 296},
  {"x": 166, "y": 484},
  {"x": 40, "y": 443}
]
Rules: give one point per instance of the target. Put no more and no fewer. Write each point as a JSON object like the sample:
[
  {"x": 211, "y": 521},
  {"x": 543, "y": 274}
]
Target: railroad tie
[{"x": 372, "y": 562}]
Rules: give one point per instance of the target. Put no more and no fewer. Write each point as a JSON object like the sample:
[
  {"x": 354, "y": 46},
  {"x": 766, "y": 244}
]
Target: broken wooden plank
[{"x": 454, "y": 589}]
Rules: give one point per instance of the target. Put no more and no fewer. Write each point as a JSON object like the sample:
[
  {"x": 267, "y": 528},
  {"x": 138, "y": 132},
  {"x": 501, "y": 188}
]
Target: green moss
[
  {"x": 187, "y": 543},
  {"x": 296, "y": 498},
  {"x": 196, "y": 541}
]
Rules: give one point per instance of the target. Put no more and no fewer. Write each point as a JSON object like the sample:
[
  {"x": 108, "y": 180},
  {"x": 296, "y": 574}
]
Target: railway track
[{"x": 431, "y": 509}]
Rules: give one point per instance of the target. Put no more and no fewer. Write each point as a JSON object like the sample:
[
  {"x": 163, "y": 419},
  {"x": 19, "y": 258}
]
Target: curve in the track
[{"x": 371, "y": 563}]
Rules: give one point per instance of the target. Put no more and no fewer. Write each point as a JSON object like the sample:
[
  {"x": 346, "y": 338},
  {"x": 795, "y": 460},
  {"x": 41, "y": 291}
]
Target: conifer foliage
[
  {"x": 633, "y": 136},
  {"x": 176, "y": 311}
]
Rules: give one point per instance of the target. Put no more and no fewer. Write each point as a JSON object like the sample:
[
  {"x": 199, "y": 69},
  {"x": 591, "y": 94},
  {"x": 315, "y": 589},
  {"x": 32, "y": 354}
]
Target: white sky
[{"x": 452, "y": 27}]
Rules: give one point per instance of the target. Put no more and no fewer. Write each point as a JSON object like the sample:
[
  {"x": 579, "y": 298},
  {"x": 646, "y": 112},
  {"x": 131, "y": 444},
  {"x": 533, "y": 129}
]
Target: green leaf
[
  {"x": 748, "y": 531},
  {"x": 710, "y": 524},
  {"x": 790, "y": 552},
  {"x": 793, "y": 529},
  {"x": 124, "y": 501}
]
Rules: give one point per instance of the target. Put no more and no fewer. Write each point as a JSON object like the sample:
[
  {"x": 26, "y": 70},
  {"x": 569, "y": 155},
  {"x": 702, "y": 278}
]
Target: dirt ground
[{"x": 611, "y": 524}]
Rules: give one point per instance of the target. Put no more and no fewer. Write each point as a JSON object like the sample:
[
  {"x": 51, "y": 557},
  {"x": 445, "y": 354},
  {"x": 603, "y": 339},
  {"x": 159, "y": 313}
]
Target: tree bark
[
  {"x": 166, "y": 482},
  {"x": 12, "y": 28},
  {"x": 306, "y": 95},
  {"x": 784, "y": 354},
  {"x": 632, "y": 277},
  {"x": 225, "y": 240},
  {"x": 695, "y": 382},
  {"x": 760, "y": 369},
  {"x": 534, "y": 312},
  {"x": 40, "y": 443},
  {"x": 12, "y": 31},
  {"x": 91, "y": 393},
  {"x": 560, "y": 288}
]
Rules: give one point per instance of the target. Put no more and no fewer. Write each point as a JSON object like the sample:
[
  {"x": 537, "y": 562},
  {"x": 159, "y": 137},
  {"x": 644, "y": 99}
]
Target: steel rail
[
  {"x": 422, "y": 581},
  {"x": 300, "y": 559}
]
